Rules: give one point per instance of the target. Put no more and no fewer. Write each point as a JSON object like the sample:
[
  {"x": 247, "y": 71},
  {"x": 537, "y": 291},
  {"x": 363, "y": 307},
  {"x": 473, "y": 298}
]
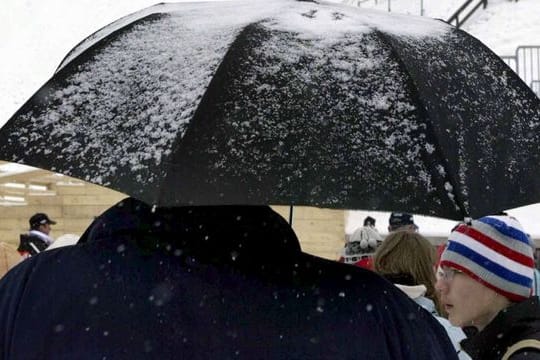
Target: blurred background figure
[
  {"x": 408, "y": 260},
  {"x": 536, "y": 275},
  {"x": 399, "y": 221},
  {"x": 361, "y": 245},
  {"x": 64, "y": 240},
  {"x": 37, "y": 239}
]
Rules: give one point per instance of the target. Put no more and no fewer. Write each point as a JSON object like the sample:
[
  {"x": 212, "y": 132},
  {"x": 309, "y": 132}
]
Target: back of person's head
[
  {"x": 399, "y": 221},
  {"x": 409, "y": 257},
  {"x": 39, "y": 219},
  {"x": 248, "y": 233},
  {"x": 226, "y": 234},
  {"x": 495, "y": 251}
]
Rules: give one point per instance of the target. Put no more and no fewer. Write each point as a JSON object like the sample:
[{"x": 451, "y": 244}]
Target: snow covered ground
[
  {"x": 502, "y": 26},
  {"x": 35, "y": 36}
]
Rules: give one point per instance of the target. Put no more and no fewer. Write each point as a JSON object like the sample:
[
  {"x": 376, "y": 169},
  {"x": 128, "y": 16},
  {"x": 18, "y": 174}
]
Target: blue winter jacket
[{"x": 204, "y": 283}]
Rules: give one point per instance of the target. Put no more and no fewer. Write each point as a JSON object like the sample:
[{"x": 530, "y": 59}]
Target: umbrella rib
[
  {"x": 185, "y": 143},
  {"x": 458, "y": 201}
]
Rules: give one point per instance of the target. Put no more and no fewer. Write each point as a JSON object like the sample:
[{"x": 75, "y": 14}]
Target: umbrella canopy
[{"x": 287, "y": 102}]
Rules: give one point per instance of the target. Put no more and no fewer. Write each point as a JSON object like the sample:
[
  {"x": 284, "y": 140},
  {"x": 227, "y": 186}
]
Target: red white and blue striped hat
[{"x": 496, "y": 251}]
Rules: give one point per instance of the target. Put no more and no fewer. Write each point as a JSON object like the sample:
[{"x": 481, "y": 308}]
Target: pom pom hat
[{"x": 495, "y": 251}]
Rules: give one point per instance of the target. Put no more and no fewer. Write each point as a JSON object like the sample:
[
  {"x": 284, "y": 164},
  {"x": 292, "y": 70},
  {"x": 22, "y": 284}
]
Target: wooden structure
[
  {"x": 321, "y": 231},
  {"x": 9, "y": 257},
  {"x": 74, "y": 204}
]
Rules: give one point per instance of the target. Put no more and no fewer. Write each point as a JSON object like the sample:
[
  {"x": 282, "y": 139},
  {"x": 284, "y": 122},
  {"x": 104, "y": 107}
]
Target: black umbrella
[{"x": 287, "y": 102}]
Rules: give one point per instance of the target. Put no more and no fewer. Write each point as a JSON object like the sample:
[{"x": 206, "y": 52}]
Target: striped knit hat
[{"x": 495, "y": 251}]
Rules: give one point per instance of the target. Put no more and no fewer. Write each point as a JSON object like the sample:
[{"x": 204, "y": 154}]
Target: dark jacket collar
[{"x": 517, "y": 322}]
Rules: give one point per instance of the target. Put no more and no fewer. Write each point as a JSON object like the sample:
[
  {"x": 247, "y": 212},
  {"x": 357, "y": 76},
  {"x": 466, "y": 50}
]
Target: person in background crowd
[
  {"x": 37, "y": 239},
  {"x": 361, "y": 245},
  {"x": 486, "y": 281},
  {"x": 401, "y": 222},
  {"x": 536, "y": 283},
  {"x": 367, "y": 236},
  {"x": 536, "y": 277},
  {"x": 408, "y": 260}
]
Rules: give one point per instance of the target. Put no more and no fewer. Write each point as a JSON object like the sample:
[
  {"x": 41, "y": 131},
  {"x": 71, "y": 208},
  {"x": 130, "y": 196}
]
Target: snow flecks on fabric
[
  {"x": 337, "y": 112},
  {"x": 325, "y": 23},
  {"x": 450, "y": 189},
  {"x": 217, "y": 15},
  {"x": 473, "y": 122},
  {"x": 132, "y": 100},
  {"x": 327, "y": 105}
]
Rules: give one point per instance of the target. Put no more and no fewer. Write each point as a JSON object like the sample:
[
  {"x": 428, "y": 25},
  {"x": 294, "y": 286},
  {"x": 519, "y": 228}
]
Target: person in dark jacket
[
  {"x": 486, "y": 282},
  {"x": 37, "y": 239},
  {"x": 399, "y": 221},
  {"x": 224, "y": 282}
]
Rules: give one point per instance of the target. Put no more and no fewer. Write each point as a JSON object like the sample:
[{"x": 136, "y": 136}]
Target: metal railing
[
  {"x": 535, "y": 86},
  {"x": 466, "y": 10},
  {"x": 526, "y": 63},
  {"x": 387, "y": 4},
  {"x": 510, "y": 61}
]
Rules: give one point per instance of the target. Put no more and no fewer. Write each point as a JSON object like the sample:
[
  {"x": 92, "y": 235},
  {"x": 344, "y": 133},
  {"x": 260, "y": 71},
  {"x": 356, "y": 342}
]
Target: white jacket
[
  {"x": 367, "y": 236},
  {"x": 48, "y": 240},
  {"x": 455, "y": 333}
]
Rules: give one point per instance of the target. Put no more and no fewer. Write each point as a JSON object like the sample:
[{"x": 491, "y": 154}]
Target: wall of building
[
  {"x": 321, "y": 231},
  {"x": 72, "y": 207}
]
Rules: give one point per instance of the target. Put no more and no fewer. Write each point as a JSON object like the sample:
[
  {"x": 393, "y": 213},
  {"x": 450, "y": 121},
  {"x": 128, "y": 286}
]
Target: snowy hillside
[
  {"x": 432, "y": 8},
  {"x": 502, "y": 26}
]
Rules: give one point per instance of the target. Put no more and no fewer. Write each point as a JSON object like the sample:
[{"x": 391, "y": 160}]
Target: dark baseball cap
[
  {"x": 398, "y": 219},
  {"x": 40, "y": 219}
]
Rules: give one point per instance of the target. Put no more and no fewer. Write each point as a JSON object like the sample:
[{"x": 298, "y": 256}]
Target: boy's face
[{"x": 467, "y": 301}]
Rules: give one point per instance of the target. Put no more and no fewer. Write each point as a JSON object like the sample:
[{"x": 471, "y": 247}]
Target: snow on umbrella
[{"x": 287, "y": 102}]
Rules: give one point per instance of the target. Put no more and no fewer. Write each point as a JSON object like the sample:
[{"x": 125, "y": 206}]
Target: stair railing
[
  {"x": 376, "y": 2},
  {"x": 466, "y": 8}
]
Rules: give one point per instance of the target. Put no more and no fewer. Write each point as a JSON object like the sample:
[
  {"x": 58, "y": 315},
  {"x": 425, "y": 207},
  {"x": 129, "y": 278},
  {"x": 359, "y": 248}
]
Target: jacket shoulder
[
  {"x": 526, "y": 354},
  {"x": 524, "y": 349}
]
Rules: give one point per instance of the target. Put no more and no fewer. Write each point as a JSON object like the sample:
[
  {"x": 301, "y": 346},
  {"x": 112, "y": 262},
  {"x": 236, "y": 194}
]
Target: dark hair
[
  {"x": 39, "y": 219},
  {"x": 369, "y": 221}
]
